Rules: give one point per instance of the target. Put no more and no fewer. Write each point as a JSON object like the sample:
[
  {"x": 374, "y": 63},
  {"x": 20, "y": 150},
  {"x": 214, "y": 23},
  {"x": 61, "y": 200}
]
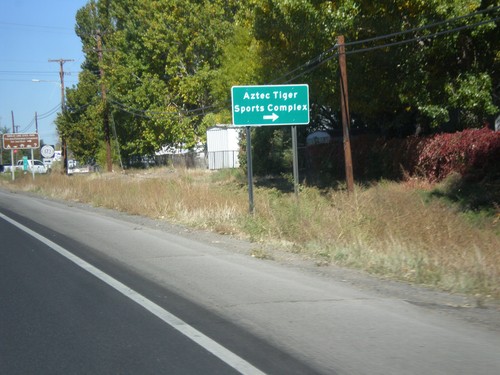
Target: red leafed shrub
[{"x": 474, "y": 153}]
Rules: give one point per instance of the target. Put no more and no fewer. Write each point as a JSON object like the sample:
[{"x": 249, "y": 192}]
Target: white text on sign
[
  {"x": 276, "y": 94},
  {"x": 270, "y": 105},
  {"x": 271, "y": 108}
]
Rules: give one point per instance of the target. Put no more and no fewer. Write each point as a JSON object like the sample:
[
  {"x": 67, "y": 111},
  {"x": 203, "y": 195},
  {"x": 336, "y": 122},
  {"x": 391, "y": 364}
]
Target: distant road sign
[
  {"x": 14, "y": 141},
  {"x": 47, "y": 151},
  {"x": 270, "y": 105}
]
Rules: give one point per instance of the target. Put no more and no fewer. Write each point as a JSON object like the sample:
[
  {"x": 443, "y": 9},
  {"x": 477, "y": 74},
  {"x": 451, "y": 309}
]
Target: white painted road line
[{"x": 190, "y": 332}]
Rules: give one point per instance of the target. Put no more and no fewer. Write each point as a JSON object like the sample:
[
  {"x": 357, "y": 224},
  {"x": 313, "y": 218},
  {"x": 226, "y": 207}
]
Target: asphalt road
[
  {"x": 56, "y": 318},
  {"x": 143, "y": 298}
]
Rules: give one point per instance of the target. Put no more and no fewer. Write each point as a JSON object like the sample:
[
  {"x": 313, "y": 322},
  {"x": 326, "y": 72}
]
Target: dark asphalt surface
[{"x": 55, "y": 318}]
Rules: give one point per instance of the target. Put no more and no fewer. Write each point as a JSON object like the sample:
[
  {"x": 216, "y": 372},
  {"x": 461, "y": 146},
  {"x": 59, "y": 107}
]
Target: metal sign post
[
  {"x": 250, "y": 171},
  {"x": 32, "y": 164},
  {"x": 295, "y": 162}
]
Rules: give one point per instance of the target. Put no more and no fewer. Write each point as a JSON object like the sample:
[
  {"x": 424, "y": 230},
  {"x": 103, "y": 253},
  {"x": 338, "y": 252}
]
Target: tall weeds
[{"x": 391, "y": 229}]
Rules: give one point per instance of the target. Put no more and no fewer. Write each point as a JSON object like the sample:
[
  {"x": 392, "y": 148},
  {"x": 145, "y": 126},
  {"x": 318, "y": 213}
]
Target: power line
[
  {"x": 50, "y": 113},
  {"x": 318, "y": 61},
  {"x": 425, "y": 27},
  {"x": 311, "y": 63},
  {"x": 328, "y": 55},
  {"x": 420, "y": 38},
  {"x": 79, "y": 108},
  {"x": 147, "y": 113},
  {"x": 45, "y": 28},
  {"x": 40, "y": 117},
  {"x": 35, "y": 72},
  {"x": 325, "y": 56},
  {"x": 130, "y": 110}
]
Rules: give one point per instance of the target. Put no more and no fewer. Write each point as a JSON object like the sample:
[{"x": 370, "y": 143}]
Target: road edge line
[{"x": 190, "y": 332}]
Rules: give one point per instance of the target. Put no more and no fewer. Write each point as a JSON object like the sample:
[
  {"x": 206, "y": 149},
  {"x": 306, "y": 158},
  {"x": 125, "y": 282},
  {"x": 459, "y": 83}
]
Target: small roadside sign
[
  {"x": 15, "y": 141},
  {"x": 47, "y": 151},
  {"x": 270, "y": 105}
]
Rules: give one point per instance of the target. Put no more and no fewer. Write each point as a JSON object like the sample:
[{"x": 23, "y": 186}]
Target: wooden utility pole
[
  {"x": 64, "y": 149},
  {"x": 346, "y": 118},
  {"x": 107, "y": 133}
]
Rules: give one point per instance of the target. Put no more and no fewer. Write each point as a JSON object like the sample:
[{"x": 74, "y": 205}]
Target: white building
[{"x": 223, "y": 147}]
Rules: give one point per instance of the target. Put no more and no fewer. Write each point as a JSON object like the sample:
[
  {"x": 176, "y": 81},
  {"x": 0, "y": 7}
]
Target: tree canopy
[{"x": 169, "y": 65}]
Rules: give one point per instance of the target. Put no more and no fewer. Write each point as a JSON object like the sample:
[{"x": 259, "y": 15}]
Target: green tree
[
  {"x": 394, "y": 82},
  {"x": 160, "y": 62},
  {"x": 81, "y": 123},
  {"x": 414, "y": 79},
  {"x": 169, "y": 64}
]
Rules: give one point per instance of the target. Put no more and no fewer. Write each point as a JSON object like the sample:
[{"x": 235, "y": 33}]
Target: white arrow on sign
[{"x": 273, "y": 117}]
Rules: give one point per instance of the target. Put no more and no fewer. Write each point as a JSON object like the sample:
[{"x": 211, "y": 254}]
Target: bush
[{"x": 473, "y": 153}]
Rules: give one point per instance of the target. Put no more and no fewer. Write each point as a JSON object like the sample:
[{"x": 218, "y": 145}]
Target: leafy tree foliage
[
  {"x": 169, "y": 65},
  {"x": 81, "y": 123},
  {"x": 424, "y": 77},
  {"x": 160, "y": 59}
]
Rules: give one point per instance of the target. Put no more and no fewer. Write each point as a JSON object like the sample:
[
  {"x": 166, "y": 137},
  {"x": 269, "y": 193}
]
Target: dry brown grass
[{"x": 390, "y": 229}]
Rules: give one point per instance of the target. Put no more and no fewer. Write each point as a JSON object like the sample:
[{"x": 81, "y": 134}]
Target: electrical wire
[
  {"x": 129, "y": 110},
  {"x": 312, "y": 68},
  {"x": 308, "y": 64},
  {"x": 425, "y": 27},
  {"x": 25, "y": 130},
  {"x": 318, "y": 61},
  {"x": 367, "y": 49},
  {"x": 77, "y": 109},
  {"x": 50, "y": 112},
  {"x": 328, "y": 55},
  {"x": 37, "y": 72},
  {"x": 36, "y": 26},
  {"x": 40, "y": 117},
  {"x": 147, "y": 113},
  {"x": 420, "y": 38}
]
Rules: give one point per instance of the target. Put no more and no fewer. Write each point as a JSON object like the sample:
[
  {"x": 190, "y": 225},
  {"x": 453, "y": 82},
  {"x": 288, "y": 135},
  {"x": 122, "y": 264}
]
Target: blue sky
[{"x": 31, "y": 33}]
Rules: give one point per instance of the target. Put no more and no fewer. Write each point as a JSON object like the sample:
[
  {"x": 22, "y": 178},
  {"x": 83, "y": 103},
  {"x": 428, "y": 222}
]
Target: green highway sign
[{"x": 270, "y": 105}]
